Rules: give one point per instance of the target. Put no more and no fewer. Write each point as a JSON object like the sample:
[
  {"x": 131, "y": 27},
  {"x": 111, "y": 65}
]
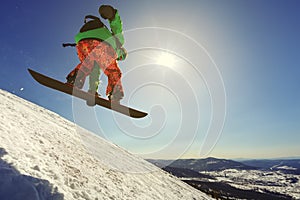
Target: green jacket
[{"x": 115, "y": 38}]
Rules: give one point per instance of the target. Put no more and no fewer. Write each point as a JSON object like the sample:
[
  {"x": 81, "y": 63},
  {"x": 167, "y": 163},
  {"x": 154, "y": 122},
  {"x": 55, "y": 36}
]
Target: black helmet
[{"x": 107, "y": 12}]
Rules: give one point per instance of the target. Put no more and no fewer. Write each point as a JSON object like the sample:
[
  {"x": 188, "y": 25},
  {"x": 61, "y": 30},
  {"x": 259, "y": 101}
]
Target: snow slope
[{"x": 43, "y": 156}]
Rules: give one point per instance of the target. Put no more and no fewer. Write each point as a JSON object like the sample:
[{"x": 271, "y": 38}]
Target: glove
[
  {"x": 122, "y": 53},
  {"x": 107, "y": 12}
]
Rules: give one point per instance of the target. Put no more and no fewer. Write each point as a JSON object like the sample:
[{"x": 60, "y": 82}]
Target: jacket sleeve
[{"x": 117, "y": 29}]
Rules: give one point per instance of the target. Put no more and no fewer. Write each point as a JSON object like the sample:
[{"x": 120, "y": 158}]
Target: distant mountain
[
  {"x": 286, "y": 166},
  {"x": 207, "y": 164},
  {"x": 186, "y": 173}
]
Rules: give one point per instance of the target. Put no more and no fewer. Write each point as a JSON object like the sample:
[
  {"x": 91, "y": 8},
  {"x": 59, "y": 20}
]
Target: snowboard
[{"x": 68, "y": 89}]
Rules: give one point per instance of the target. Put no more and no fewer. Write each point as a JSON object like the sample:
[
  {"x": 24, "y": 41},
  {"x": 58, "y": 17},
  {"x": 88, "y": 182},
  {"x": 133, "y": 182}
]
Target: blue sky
[{"x": 254, "y": 44}]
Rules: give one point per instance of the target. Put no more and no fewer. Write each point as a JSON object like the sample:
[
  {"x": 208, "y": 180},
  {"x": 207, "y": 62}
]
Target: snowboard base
[{"x": 90, "y": 98}]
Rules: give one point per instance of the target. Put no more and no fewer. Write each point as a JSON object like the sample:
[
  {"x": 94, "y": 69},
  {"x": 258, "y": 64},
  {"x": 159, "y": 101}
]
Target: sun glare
[{"x": 166, "y": 59}]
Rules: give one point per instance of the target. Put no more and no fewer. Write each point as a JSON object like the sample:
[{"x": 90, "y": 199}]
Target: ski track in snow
[{"x": 47, "y": 152}]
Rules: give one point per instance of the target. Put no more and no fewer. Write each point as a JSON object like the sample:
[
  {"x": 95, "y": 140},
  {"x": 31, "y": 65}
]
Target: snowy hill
[
  {"x": 43, "y": 156},
  {"x": 288, "y": 166},
  {"x": 207, "y": 164}
]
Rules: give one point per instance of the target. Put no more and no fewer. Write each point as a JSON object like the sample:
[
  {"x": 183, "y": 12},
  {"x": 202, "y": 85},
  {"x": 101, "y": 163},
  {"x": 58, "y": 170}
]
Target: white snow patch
[
  {"x": 286, "y": 167},
  {"x": 212, "y": 162},
  {"x": 45, "y": 151}
]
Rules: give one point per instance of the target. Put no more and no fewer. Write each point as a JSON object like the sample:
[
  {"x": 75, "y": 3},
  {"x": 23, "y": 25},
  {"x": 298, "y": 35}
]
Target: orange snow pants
[{"x": 91, "y": 51}]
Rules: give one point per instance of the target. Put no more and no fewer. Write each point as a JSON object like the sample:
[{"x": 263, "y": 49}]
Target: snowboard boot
[
  {"x": 76, "y": 78},
  {"x": 91, "y": 102},
  {"x": 115, "y": 97},
  {"x": 94, "y": 93}
]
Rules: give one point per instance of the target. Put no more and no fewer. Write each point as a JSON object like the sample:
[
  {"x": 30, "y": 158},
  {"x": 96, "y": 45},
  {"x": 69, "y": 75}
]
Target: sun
[{"x": 166, "y": 59}]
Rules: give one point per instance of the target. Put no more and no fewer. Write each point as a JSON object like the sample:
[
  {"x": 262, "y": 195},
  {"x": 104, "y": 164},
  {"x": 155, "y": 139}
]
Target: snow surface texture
[{"x": 42, "y": 156}]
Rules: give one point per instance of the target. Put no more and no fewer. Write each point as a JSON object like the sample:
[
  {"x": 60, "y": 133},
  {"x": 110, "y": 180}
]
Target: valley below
[{"x": 228, "y": 179}]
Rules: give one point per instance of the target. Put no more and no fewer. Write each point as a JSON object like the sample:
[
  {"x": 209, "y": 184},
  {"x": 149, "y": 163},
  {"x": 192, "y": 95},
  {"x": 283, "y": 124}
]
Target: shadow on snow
[{"x": 16, "y": 186}]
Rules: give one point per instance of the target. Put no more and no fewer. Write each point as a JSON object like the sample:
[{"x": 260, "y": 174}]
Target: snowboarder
[{"x": 100, "y": 48}]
